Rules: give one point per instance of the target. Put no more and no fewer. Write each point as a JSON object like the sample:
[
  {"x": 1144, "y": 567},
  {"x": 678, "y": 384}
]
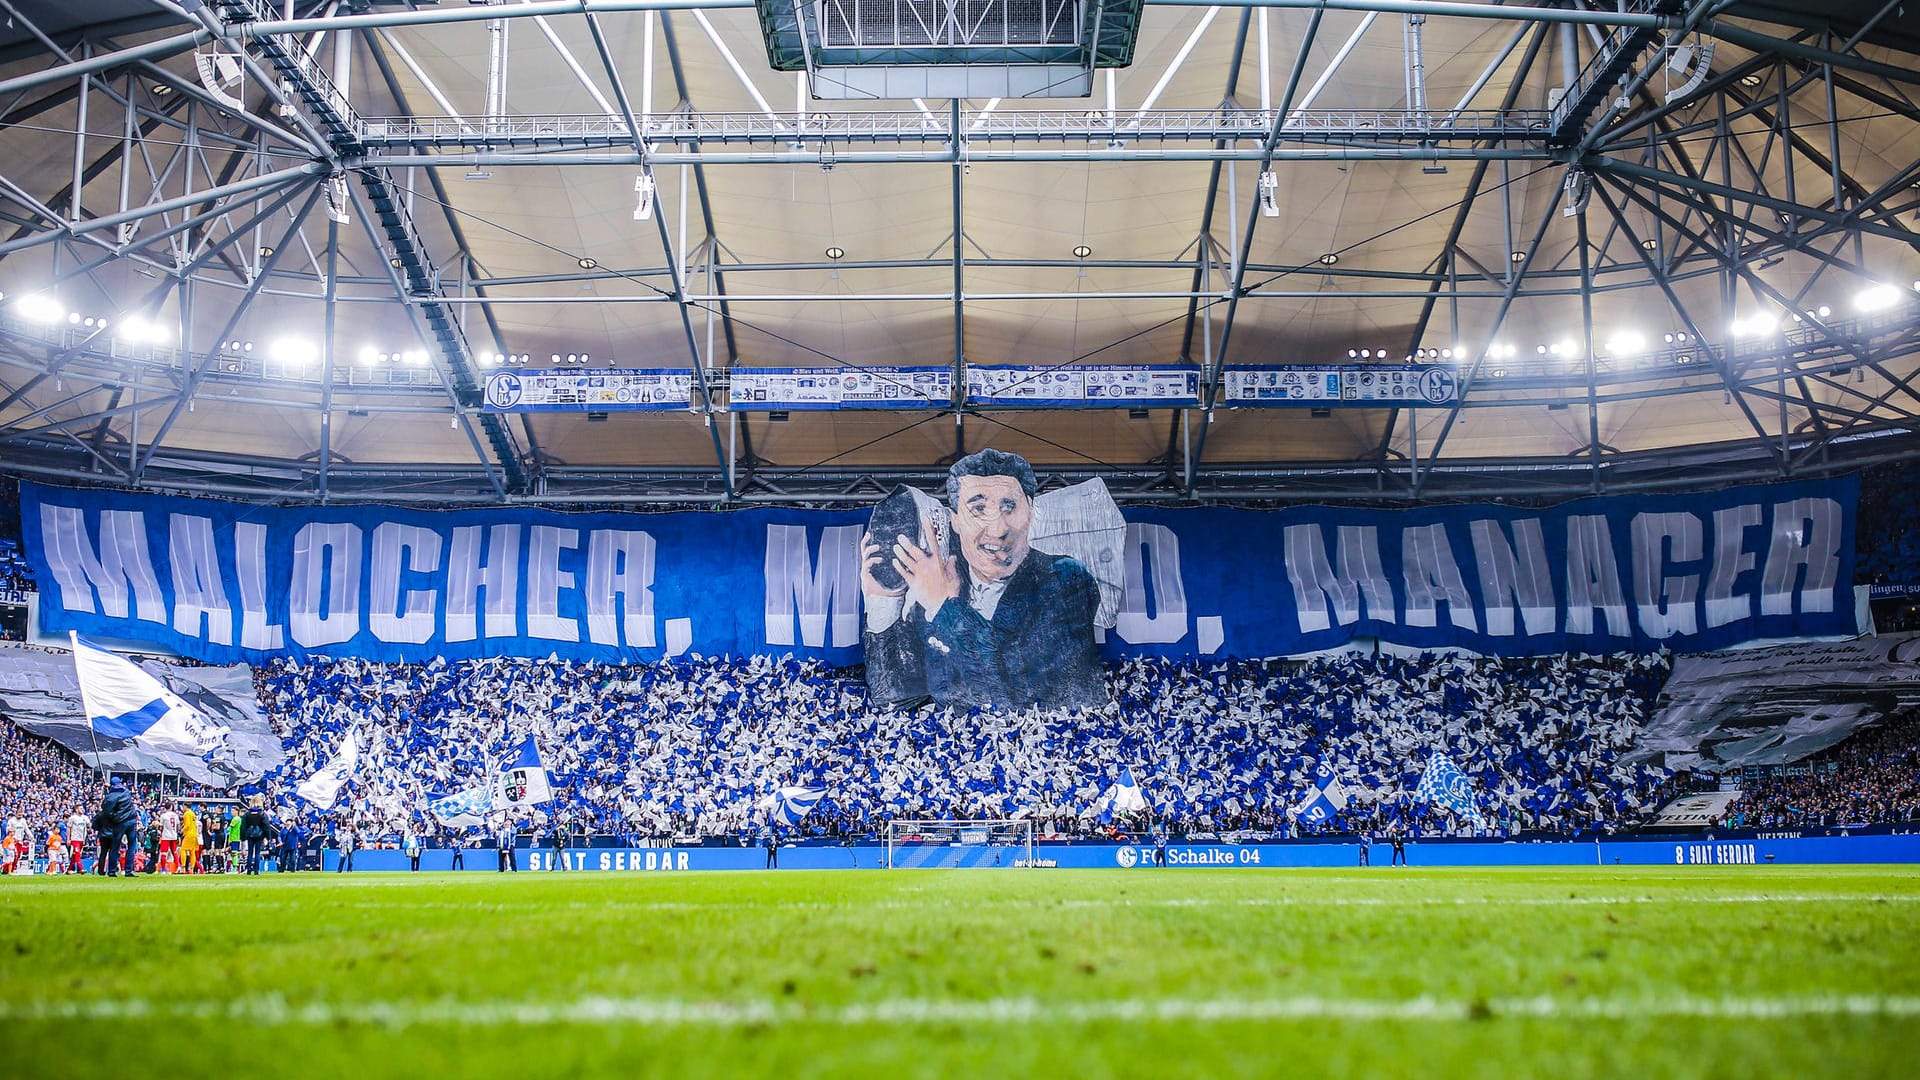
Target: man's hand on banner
[
  {"x": 870, "y": 557},
  {"x": 932, "y": 577}
]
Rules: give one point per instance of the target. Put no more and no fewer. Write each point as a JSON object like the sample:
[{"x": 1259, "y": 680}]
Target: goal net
[{"x": 949, "y": 844}]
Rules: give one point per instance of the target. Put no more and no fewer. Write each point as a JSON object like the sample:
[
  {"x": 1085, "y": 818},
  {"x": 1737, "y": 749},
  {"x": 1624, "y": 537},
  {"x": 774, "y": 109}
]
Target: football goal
[{"x": 915, "y": 845}]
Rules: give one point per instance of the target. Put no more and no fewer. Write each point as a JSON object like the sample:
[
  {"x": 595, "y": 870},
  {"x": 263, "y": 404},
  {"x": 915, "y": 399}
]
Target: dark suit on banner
[{"x": 1037, "y": 648}]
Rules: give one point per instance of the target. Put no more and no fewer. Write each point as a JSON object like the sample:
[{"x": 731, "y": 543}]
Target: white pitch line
[{"x": 645, "y": 1012}]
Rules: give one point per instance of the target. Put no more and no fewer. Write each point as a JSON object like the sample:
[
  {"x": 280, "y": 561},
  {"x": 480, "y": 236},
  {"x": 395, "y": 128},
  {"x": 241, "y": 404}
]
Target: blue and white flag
[
  {"x": 124, "y": 702},
  {"x": 323, "y": 787},
  {"x": 523, "y": 782},
  {"x": 1326, "y": 798},
  {"x": 1443, "y": 784},
  {"x": 1124, "y": 797},
  {"x": 463, "y": 809},
  {"x": 787, "y": 805}
]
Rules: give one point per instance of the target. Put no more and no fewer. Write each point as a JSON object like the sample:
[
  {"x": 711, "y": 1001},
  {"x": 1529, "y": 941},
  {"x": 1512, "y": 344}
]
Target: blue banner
[
  {"x": 1683, "y": 851},
  {"x": 225, "y": 582}
]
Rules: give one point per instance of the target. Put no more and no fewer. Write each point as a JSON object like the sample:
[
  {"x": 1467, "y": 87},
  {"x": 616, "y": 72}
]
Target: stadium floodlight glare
[
  {"x": 139, "y": 330},
  {"x": 40, "y": 308},
  {"x": 415, "y": 357},
  {"x": 1877, "y": 297},
  {"x": 293, "y": 351},
  {"x": 368, "y": 354},
  {"x": 1759, "y": 324},
  {"x": 1626, "y": 343}
]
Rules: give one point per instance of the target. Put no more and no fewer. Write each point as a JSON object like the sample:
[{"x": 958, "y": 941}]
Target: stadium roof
[{"x": 1749, "y": 192}]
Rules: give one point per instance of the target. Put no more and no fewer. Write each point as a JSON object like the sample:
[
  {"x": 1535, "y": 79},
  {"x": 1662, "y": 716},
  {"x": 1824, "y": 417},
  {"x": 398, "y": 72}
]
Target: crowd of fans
[
  {"x": 1887, "y": 527},
  {"x": 13, "y": 561},
  {"x": 1872, "y": 778},
  {"x": 690, "y": 749},
  {"x": 48, "y": 800},
  {"x": 47, "y": 796},
  {"x": 683, "y": 752},
  {"x": 14, "y": 576}
]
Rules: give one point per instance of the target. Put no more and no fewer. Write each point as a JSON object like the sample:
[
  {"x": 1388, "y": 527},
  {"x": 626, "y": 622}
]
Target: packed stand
[
  {"x": 49, "y": 802},
  {"x": 1887, "y": 528},
  {"x": 1872, "y": 778},
  {"x": 47, "y": 796},
  {"x": 14, "y": 577},
  {"x": 687, "y": 749}
]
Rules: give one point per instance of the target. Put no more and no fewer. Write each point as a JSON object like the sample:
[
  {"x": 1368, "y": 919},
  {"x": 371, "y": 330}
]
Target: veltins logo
[{"x": 1126, "y": 856}]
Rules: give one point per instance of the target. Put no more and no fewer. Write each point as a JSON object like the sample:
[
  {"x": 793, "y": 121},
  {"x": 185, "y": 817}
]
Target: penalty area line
[{"x": 644, "y": 1012}]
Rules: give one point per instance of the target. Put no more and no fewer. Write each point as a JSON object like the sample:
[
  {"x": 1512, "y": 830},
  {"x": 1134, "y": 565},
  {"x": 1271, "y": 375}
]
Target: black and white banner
[
  {"x": 1723, "y": 710},
  {"x": 40, "y": 692}
]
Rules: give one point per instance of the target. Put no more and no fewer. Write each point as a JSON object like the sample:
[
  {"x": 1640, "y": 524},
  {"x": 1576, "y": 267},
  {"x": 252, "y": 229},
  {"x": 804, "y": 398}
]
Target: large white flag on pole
[
  {"x": 323, "y": 787},
  {"x": 124, "y": 702}
]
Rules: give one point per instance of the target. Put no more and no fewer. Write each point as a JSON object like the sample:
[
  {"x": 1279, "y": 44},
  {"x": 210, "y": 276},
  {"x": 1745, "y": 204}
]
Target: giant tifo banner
[
  {"x": 40, "y": 692},
  {"x": 225, "y": 582},
  {"x": 1724, "y": 710}
]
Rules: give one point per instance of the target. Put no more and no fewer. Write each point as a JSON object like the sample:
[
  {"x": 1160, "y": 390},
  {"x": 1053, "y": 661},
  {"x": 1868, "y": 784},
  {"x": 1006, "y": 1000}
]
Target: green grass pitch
[{"x": 1708, "y": 971}]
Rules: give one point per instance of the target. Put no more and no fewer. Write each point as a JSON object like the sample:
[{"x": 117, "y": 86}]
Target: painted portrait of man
[{"x": 961, "y": 609}]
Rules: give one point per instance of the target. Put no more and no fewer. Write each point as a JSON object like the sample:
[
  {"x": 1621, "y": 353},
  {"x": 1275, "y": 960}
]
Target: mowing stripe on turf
[{"x": 273, "y": 1011}]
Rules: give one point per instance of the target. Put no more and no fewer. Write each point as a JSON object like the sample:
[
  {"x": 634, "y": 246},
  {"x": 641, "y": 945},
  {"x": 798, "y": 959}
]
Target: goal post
[{"x": 915, "y": 844}]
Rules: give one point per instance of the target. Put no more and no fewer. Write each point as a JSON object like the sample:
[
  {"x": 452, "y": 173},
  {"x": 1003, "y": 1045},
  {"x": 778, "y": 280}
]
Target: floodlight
[
  {"x": 1626, "y": 343},
  {"x": 293, "y": 351},
  {"x": 1878, "y": 297}
]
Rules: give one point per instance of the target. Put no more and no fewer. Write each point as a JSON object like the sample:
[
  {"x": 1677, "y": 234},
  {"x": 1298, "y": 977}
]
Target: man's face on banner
[{"x": 992, "y": 520}]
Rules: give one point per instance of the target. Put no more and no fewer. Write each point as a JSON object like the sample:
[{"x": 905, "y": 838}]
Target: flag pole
[{"x": 93, "y": 736}]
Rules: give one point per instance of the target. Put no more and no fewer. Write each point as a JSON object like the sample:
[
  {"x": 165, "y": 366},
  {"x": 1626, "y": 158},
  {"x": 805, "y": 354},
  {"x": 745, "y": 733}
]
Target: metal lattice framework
[{"x": 272, "y": 250}]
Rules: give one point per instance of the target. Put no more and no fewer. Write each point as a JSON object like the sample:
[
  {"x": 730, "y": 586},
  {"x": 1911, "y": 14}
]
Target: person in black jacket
[
  {"x": 254, "y": 830},
  {"x": 116, "y": 822}
]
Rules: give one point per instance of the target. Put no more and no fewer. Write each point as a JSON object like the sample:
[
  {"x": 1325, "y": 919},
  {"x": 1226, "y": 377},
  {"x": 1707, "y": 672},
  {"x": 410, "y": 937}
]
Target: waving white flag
[
  {"x": 323, "y": 787},
  {"x": 125, "y": 702}
]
